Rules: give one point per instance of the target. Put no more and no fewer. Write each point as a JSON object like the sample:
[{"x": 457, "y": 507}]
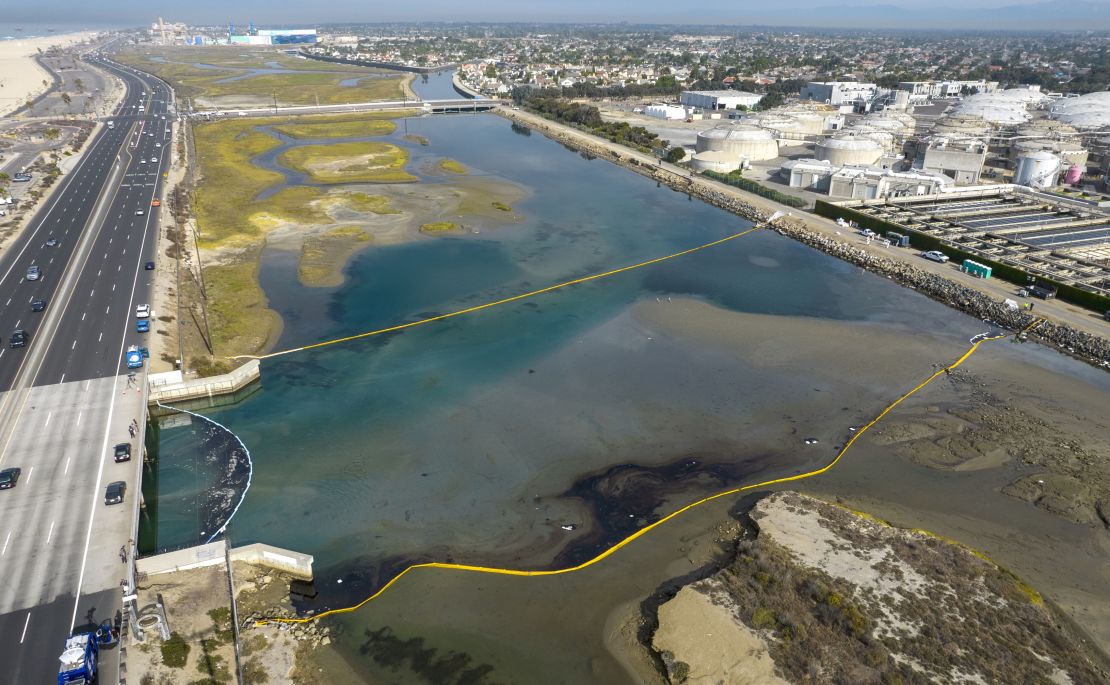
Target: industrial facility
[
  {"x": 255, "y": 36},
  {"x": 719, "y": 99}
]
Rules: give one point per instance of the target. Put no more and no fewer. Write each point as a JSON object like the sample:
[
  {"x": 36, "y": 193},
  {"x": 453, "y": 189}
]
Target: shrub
[
  {"x": 175, "y": 651},
  {"x": 763, "y": 618},
  {"x": 737, "y": 181}
]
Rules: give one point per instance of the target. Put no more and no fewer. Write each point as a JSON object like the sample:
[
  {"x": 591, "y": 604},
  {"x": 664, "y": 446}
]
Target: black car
[
  {"x": 38, "y": 305},
  {"x": 150, "y": 266},
  {"x": 8, "y": 478},
  {"x": 19, "y": 338},
  {"x": 123, "y": 452},
  {"x": 114, "y": 493}
]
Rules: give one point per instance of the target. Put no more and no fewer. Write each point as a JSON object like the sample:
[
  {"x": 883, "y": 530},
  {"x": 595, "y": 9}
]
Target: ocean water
[{"x": 15, "y": 31}]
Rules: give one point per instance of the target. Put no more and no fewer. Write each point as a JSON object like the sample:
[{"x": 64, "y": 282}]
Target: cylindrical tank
[
  {"x": 812, "y": 123},
  {"x": 1070, "y": 151},
  {"x": 739, "y": 140},
  {"x": 715, "y": 160},
  {"x": 1075, "y": 173},
  {"x": 778, "y": 123},
  {"x": 1045, "y": 128},
  {"x": 888, "y": 139},
  {"x": 962, "y": 125},
  {"x": 1037, "y": 169},
  {"x": 847, "y": 149}
]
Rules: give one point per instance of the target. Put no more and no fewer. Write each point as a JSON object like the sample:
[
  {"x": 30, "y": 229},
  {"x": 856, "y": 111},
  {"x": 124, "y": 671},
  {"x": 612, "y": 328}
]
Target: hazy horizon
[{"x": 1028, "y": 15}]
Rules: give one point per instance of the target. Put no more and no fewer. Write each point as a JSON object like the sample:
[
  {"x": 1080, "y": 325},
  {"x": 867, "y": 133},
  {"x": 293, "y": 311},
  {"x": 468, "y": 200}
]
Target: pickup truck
[{"x": 79, "y": 660}]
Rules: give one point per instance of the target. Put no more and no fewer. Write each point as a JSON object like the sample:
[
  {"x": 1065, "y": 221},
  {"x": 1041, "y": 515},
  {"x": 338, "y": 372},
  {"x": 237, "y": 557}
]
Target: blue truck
[
  {"x": 79, "y": 660},
  {"x": 134, "y": 357}
]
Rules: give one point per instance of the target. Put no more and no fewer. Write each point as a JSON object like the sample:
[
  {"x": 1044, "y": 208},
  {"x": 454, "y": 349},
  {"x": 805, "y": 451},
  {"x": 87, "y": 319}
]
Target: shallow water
[{"x": 465, "y": 439}]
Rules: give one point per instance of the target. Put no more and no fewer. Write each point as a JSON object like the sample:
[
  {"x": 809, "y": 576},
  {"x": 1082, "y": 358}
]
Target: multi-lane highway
[{"x": 67, "y": 399}]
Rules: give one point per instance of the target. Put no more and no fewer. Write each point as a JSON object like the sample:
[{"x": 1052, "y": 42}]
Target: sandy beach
[{"x": 21, "y": 78}]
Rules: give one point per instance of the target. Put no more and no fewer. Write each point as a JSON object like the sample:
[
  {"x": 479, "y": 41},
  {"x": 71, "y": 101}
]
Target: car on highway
[
  {"x": 122, "y": 452},
  {"x": 153, "y": 160},
  {"x": 149, "y": 266},
  {"x": 21, "y": 177},
  {"x": 33, "y": 273},
  {"x": 157, "y": 145},
  {"x": 935, "y": 256},
  {"x": 142, "y": 311},
  {"x": 8, "y": 478},
  {"x": 52, "y": 242},
  {"x": 139, "y": 212},
  {"x": 142, "y": 160},
  {"x": 155, "y": 203},
  {"x": 142, "y": 326},
  {"x": 113, "y": 494},
  {"x": 38, "y": 305},
  {"x": 19, "y": 338}
]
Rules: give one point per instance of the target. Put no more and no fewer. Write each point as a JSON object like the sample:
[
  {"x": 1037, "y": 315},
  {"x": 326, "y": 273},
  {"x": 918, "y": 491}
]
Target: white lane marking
[
  {"x": 100, "y": 337},
  {"x": 91, "y": 292},
  {"x": 83, "y": 315},
  {"x": 49, "y": 414},
  {"x": 8, "y": 302},
  {"x": 5, "y": 550},
  {"x": 29, "y": 474},
  {"x": 66, "y": 472},
  {"x": 63, "y": 379},
  {"x": 24, "y": 635},
  {"x": 74, "y": 345},
  {"x": 51, "y": 533}
]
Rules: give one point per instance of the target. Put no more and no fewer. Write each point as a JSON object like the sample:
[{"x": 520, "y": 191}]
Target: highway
[{"x": 67, "y": 398}]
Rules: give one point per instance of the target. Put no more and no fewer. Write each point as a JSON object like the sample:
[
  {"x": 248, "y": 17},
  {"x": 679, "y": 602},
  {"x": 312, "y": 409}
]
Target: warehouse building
[
  {"x": 719, "y": 99},
  {"x": 923, "y": 91},
  {"x": 847, "y": 96}
]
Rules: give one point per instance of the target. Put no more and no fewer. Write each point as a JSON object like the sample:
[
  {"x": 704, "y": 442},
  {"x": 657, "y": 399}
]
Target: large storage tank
[
  {"x": 739, "y": 140},
  {"x": 1037, "y": 169},
  {"x": 715, "y": 160},
  {"x": 1070, "y": 151},
  {"x": 1046, "y": 128},
  {"x": 812, "y": 123},
  {"x": 895, "y": 122},
  {"x": 1087, "y": 112},
  {"x": 885, "y": 137},
  {"x": 777, "y": 123},
  {"x": 965, "y": 125},
  {"x": 845, "y": 150}
]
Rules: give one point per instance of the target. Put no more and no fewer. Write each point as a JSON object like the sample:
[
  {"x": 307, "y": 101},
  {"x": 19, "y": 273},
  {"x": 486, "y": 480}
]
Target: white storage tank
[
  {"x": 844, "y": 150},
  {"x": 966, "y": 125},
  {"x": 1037, "y": 169},
  {"x": 715, "y": 160},
  {"x": 778, "y": 123},
  {"x": 740, "y": 141},
  {"x": 1070, "y": 151},
  {"x": 884, "y": 137}
]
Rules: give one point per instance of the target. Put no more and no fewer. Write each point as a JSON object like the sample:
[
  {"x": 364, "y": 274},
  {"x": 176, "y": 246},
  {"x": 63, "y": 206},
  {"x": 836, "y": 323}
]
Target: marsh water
[{"x": 536, "y": 433}]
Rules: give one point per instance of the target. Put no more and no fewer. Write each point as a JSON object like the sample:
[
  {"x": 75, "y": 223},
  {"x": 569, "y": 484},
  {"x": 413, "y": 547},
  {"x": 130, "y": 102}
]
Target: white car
[
  {"x": 142, "y": 160},
  {"x": 936, "y": 256},
  {"x": 142, "y": 311},
  {"x": 153, "y": 160}
]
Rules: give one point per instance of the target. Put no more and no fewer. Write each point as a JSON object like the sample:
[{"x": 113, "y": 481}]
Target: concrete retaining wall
[
  {"x": 226, "y": 384},
  {"x": 296, "y": 563},
  {"x": 200, "y": 556}
]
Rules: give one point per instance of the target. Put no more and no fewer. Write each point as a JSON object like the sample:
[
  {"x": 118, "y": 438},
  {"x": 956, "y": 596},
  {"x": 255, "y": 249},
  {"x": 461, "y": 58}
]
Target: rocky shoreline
[{"x": 1093, "y": 349}]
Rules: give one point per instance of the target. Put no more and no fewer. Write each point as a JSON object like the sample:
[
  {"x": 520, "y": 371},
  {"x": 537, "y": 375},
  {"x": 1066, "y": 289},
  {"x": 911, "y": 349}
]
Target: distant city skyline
[{"x": 972, "y": 14}]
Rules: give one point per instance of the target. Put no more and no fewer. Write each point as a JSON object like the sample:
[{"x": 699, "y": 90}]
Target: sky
[{"x": 289, "y": 12}]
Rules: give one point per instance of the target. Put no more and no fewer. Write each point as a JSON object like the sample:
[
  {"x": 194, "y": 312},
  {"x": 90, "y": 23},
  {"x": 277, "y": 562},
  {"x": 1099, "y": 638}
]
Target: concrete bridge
[{"x": 427, "y": 106}]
